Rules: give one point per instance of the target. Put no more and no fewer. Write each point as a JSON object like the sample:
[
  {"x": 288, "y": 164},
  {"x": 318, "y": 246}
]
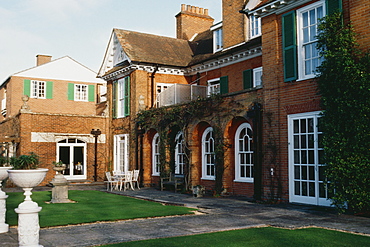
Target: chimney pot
[{"x": 183, "y": 7}]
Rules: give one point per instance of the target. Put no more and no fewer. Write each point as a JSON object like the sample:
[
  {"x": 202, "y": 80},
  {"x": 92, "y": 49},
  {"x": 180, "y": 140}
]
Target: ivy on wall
[
  {"x": 213, "y": 110},
  {"x": 344, "y": 84}
]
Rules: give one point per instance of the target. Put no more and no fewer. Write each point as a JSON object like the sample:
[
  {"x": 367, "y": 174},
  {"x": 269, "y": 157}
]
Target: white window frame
[
  {"x": 247, "y": 152},
  {"x": 311, "y": 163},
  {"x": 121, "y": 97},
  {"x": 81, "y": 92},
  {"x": 217, "y": 37},
  {"x": 155, "y": 156},
  {"x": 77, "y": 143},
  {"x": 121, "y": 149},
  {"x": 160, "y": 87},
  {"x": 311, "y": 43},
  {"x": 208, "y": 155},
  {"x": 257, "y": 77},
  {"x": 179, "y": 154},
  {"x": 255, "y": 26},
  {"x": 213, "y": 87},
  {"x": 38, "y": 89}
]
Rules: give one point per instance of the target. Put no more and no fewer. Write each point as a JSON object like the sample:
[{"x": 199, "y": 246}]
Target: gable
[{"x": 64, "y": 68}]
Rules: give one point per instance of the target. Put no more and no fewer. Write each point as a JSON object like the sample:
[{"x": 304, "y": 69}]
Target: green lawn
[
  {"x": 259, "y": 237},
  {"x": 91, "y": 206}
]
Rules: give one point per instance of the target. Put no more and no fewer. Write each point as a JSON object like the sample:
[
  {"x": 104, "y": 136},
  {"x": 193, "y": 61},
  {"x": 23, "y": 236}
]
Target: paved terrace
[{"x": 215, "y": 214}]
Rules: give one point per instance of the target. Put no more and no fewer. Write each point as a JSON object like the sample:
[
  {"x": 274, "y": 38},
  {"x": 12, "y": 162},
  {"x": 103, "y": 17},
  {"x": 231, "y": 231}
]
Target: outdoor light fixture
[{"x": 96, "y": 134}]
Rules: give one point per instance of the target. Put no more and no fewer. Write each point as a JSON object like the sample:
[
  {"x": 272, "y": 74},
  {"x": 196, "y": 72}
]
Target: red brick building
[
  {"x": 50, "y": 110},
  {"x": 260, "y": 59}
]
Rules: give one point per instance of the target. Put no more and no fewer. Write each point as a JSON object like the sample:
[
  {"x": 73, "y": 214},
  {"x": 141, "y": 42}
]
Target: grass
[
  {"x": 91, "y": 206},
  {"x": 259, "y": 237}
]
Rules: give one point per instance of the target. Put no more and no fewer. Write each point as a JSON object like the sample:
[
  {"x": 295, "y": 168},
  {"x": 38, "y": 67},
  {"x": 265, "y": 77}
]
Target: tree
[{"x": 344, "y": 85}]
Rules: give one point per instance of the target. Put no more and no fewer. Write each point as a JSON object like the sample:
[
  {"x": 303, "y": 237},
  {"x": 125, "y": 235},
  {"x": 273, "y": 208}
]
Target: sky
[{"x": 80, "y": 28}]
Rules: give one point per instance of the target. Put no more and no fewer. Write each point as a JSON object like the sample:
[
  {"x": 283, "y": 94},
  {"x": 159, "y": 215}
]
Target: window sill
[
  {"x": 207, "y": 178},
  {"x": 244, "y": 181}
]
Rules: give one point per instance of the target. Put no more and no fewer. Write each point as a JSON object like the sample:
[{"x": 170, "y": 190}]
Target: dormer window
[
  {"x": 255, "y": 26},
  {"x": 217, "y": 37}
]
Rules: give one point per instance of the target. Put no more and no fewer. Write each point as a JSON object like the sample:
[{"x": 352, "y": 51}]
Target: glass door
[
  {"x": 72, "y": 152},
  {"x": 306, "y": 168}
]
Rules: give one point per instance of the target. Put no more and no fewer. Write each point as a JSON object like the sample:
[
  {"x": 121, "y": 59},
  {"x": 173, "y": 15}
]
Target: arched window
[
  {"x": 179, "y": 154},
  {"x": 208, "y": 154},
  {"x": 244, "y": 153},
  {"x": 155, "y": 156}
]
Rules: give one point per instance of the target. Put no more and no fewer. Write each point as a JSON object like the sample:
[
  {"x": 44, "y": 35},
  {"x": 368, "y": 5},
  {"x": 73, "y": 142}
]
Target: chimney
[
  {"x": 192, "y": 20},
  {"x": 42, "y": 59},
  {"x": 233, "y": 22}
]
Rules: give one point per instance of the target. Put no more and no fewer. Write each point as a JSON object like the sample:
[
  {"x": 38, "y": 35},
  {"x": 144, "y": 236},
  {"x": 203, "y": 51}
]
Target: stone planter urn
[
  {"x": 3, "y": 175},
  {"x": 28, "y": 217},
  {"x": 60, "y": 186}
]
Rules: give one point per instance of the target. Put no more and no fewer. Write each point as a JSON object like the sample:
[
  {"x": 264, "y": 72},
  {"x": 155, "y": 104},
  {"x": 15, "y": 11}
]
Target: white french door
[
  {"x": 72, "y": 152},
  {"x": 306, "y": 168},
  {"x": 121, "y": 153}
]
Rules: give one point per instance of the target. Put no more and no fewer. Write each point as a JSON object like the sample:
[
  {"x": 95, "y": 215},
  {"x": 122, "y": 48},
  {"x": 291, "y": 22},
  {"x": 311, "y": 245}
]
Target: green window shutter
[
  {"x": 247, "y": 79},
  {"x": 49, "y": 89},
  {"x": 114, "y": 99},
  {"x": 289, "y": 46},
  {"x": 71, "y": 91},
  {"x": 333, "y": 5},
  {"x": 27, "y": 87},
  {"x": 127, "y": 97},
  {"x": 224, "y": 85},
  {"x": 91, "y": 93}
]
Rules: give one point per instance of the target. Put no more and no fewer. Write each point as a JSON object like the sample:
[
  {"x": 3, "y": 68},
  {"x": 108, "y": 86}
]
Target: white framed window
[
  {"x": 208, "y": 154},
  {"x": 213, "y": 87},
  {"x": 155, "y": 156},
  {"x": 307, "y": 22},
  {"x": 80, "y": 92},
  {"x": 306, "y": 167},
  {"x": 38, "y": 89},
  {"x": 257, "y": 77},
  {"x": 217, "y": 37},
  {"x": 179, "y": 154},
  {"x": 123, "y": 99},
  {"x": 121, "y": 149},
  {"x": 217, "y": 40},
  {"x": 160, "y": 88},
  {"x": 244, "y": 153},
  {"x": 255, "y": 26}
]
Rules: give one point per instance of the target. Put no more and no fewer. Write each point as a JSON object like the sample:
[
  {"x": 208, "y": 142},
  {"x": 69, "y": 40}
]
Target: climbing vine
[
  {"x": 165, "y": 119},
  {"x": 343, "y": 81}
]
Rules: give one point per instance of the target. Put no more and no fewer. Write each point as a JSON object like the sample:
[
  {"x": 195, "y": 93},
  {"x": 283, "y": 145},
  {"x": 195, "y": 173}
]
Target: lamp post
[{"x": 96, "y": 134}]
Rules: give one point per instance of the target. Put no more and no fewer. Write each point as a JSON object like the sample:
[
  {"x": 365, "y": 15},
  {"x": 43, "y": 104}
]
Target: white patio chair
[
  {"x": 127, "y": 181},
  {"x": 135, "y": 178},
  {"x": 111, "y": 181}
]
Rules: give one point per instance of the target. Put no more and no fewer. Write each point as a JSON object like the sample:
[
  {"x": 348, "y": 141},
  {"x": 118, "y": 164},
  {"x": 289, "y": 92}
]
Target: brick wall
[
  {"x": 233, "y": 22},
  {"x": 68, "y": 124},
  {"x": 192, "y": 20}
]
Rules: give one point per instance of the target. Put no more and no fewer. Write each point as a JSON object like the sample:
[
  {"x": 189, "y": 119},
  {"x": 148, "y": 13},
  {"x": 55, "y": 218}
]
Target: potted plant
[
  {"x": 25, "y": 172},
  {"x": 59, "y": 166},
  {"x": 198, "y": 190}
]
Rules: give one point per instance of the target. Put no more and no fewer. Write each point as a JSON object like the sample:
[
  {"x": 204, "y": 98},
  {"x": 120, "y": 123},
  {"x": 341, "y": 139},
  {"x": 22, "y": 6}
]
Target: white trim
[
  {"x": 155, "y": 156},
  {"x": 56, "y": 137},
  {"x": 205, "y": 176},
  {"x": 307, "y": 199},
  {"x": 83, "y": 95},
  {"x": 122, "y": 139},
  {"x": 71, "y": 158},
  {"x": 300, "y": 49},
  {"x": 255, "y": 71},
  {"x": 178, "y": 162},
  {"x": 238, "y": 177}
]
